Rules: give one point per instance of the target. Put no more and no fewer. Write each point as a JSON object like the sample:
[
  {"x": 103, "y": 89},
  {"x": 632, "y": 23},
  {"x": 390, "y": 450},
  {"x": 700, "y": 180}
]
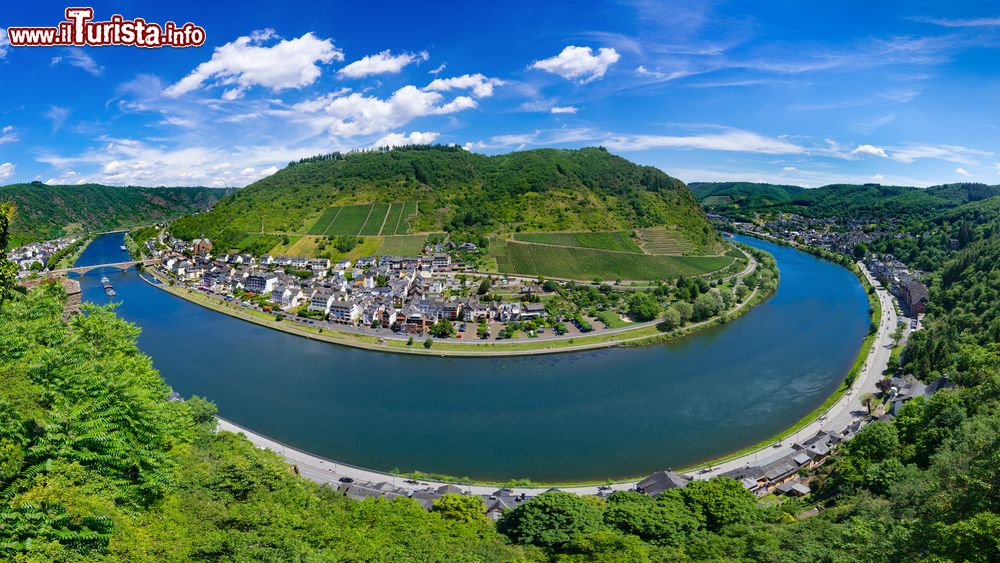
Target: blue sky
[{"x": 807, "y": 93}]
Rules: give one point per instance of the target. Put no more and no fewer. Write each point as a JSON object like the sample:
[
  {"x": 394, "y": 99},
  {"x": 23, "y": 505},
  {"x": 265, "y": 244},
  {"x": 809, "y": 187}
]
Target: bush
[{"x": 428, "y": 342}]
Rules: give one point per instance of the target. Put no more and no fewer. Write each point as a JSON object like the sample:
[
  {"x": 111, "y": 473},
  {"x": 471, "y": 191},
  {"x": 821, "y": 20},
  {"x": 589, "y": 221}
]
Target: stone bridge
[{"x": 82, "y": 270}]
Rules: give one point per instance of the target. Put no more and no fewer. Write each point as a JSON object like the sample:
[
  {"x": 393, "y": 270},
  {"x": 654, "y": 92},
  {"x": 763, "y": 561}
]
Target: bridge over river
[{"x": 82, "y": 270}]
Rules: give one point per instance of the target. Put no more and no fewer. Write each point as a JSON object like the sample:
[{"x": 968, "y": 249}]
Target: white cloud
[
  {"x": 579, "y": 63},
  {"x": 8, "y": 135},
  {"x": 7, "y": 170},
  {"x": 660, "y": 75},
  {"x": 722, "y": 139},
  {"x": 972, "y": 22},
  {"x": 878, "y": 178},
  {"x": 58, "y": 115},
  {"x": 735, "y": 140},
  {"x": 563, "y": 109},
  {"x": 789, "y": 169},
  {"x": 472, "y": 146},
  {"x": 259, "y": 36},
  {"x": 438, "y": 70},
  {"x": 79, "y": 58},
  {"x": 963, "y": 172},
  {"x": 246, "y": 62},
  {"x": 643, "y": 71},
  {"x": 480, "y": 85},
  {"x": 178, "y": 121},
  {"x": 402, "y": 139},
  {"x": 121, "y": 162},
  {"x": 4, "y": 43},
  {"x": 356, "y": 114},
  {"x": 870, "y": 150},
  {"x": 950, "y": 153},
  {"x": 381, "y": 63}
]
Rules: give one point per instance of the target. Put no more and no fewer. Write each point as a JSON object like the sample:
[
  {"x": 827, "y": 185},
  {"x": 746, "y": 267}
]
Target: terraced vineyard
[
  {"x": 401, "y": 245},
  {"x": 370, "y": 219},
  {"x": 605, "y": 240},
  {"x": 373, "y": 223},
  {"x": 663, "y": 241},
  {"x": 588, "y": 263}
]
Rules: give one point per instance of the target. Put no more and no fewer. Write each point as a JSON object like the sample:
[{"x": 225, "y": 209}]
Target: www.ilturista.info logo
[{"x": 79, "y": 29}]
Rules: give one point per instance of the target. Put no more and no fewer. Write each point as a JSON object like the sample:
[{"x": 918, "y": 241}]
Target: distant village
[
  {"x": 408, "y": 294},
  {"x": 37, "y": 256},
  {"x": 903, "y": 282}
]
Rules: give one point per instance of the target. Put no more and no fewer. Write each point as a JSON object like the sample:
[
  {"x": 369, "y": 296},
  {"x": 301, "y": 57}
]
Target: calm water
[{"x": 590, "y": 415}]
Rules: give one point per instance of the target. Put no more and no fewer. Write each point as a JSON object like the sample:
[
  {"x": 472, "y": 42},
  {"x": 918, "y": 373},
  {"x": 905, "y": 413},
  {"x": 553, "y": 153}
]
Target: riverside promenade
[{"x": 835, "y": 420}]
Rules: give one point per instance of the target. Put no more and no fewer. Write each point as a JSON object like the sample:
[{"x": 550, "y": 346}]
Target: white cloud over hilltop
[{"x": 402, "y": 139}]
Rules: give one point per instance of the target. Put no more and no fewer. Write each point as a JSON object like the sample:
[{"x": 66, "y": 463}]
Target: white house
[
  {"x": 345, "y": 312},
  {"x": 321, "y": 300}
]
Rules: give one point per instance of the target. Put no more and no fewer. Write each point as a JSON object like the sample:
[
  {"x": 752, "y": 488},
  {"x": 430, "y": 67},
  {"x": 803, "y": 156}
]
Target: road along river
[{"x": 570, "y": 417}]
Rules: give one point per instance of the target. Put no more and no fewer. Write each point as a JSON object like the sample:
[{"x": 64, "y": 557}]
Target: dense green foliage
[
  {"x": 747, "y": 194},
  {"x": 47, "y": 212},
  {"x": 8, "y": 269},
  {"x": 841, "y": 200},
  {"x": 467, "y": 194}
]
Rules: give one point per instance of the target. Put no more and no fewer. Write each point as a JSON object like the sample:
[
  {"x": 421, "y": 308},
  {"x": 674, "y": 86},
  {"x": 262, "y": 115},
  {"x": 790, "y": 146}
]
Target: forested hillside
[
  {"x": 47, "y": 212},
  {"x": 462, "y": 192},
  {"x": 743, "y": 193},
  {"x": 840, "y": 200}
]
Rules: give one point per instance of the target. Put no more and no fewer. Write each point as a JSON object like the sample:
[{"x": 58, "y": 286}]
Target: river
[{"x": 611, "y": 413}]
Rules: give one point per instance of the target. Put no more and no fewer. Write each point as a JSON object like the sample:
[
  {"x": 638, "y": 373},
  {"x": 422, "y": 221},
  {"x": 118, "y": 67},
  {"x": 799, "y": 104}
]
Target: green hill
[
  {"x": 47, "y": 212},
  {"x": 441, "y": 188},
  {"x": 854, "y": 200},
  {"x": 743, "y": 193}
]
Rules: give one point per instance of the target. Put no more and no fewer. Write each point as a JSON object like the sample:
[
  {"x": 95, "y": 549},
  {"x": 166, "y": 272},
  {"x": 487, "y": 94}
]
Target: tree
[
  {"x": 742, "y": 292},
  {"x": 685, "y": 309},
  {"x": 484, "y": 286},
  {"x": 671, "y": 319},
  {"x": 664, "y": 522},
  {"x": 719, "y": 502},
  {"x": 643, "y": 306},
  {"x": 461, "y": 508},
  {"x": 551, "y": 519},
  {"x": 860, "y": 250},
  {"x": 870, "y": 402},
  {"x": 707, "y": 305},
  {"x": 607, "y": 546},
  {"x": 874, "y": 443},
  {"x": 443, "y": 329},
  {"x": 428, "y": 342},
  {"x": 346, "y": 243}
]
